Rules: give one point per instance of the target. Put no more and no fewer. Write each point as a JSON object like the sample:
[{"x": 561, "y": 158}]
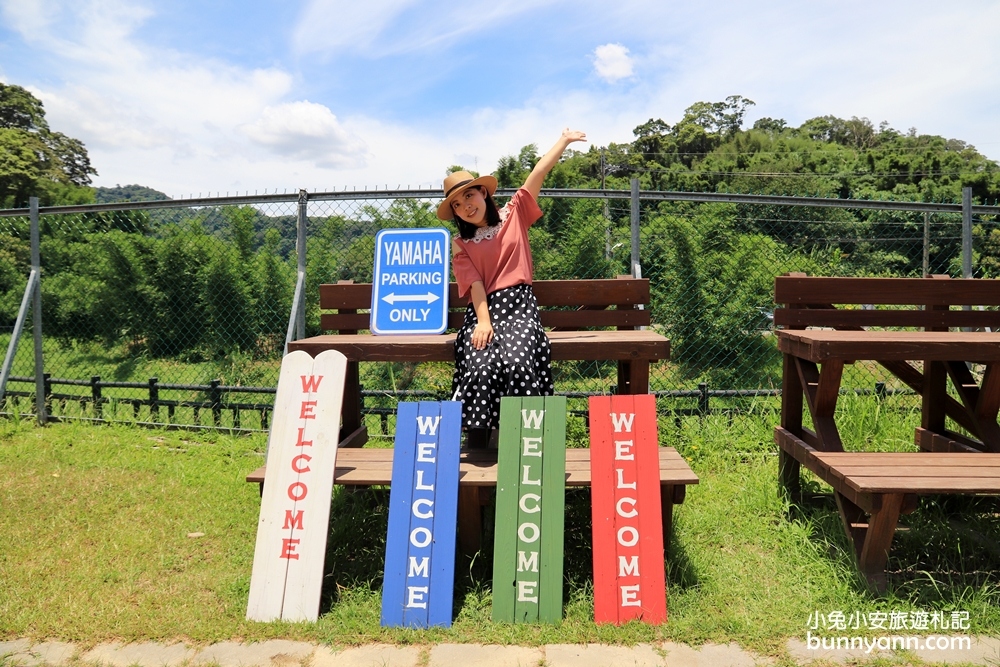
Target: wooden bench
[
  {"x": 596, "y": 319},
  {"x": 914, "y": 317},
  {"x": 586, "y": 319},
  {"x": 478, "y": 472}
]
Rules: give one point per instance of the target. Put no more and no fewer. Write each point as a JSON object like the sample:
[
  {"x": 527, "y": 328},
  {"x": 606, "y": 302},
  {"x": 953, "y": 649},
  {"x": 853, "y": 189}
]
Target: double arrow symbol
[{"x": 391, "y": 298}]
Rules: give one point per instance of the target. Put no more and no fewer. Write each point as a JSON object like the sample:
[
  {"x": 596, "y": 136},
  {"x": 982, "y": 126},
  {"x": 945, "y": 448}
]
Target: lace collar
[{"x": 486, "y": 233}]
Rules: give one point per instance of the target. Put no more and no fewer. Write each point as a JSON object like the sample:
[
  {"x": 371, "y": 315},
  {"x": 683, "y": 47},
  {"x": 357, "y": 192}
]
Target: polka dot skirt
[{"x": 517, "y": 363}]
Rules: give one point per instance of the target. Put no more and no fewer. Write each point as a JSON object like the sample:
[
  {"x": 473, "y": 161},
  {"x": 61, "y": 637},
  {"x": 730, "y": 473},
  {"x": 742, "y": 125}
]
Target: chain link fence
[{"x": 177, "y": 312}]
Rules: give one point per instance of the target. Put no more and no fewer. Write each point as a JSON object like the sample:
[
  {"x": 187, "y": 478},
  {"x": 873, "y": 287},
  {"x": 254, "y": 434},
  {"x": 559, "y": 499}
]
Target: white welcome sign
[{"x": 295, "y": 506}]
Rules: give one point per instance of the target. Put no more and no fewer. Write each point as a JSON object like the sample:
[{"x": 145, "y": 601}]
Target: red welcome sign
[
  {"x": 295, "y": 506},
  {"x": 629, "y": 581}
]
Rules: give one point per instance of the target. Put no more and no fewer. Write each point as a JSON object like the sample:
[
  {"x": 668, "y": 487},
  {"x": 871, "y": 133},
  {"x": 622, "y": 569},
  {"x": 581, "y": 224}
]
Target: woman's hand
[
  {"x": 482, "y": 335},
  {"x": 569, "y": 136}
]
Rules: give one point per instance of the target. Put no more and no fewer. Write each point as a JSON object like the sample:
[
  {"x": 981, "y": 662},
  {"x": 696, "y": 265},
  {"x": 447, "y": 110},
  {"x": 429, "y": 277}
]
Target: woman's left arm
[{"x": 533, "y": 183}]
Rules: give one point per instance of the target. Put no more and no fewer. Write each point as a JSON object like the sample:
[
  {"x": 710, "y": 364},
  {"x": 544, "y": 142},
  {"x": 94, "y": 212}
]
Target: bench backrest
[
  {"x": 850, "y": 303},
  {"x": 563, "y": 304}
]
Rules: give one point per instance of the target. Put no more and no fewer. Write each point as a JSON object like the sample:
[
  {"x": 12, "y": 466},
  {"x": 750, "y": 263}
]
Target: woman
[{"x": 501, "y": 349}]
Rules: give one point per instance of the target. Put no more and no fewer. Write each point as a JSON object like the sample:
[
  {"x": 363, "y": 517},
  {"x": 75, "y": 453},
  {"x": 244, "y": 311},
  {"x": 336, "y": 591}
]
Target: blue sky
[{"x": 196, "y": 97}]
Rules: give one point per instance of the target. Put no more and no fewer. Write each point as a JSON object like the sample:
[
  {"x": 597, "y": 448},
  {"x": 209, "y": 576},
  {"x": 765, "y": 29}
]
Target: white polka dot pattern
[{"x": 517, "y": 363}]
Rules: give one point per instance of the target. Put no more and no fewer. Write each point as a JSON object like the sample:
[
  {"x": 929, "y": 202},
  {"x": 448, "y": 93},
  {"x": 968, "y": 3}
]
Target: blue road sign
[{"x": 410, "y": 285}]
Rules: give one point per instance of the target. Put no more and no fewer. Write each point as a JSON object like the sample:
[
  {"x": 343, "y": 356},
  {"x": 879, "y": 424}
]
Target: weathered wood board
[
  {"x": 423, "y": 507},
  {"x": 629, "y": 579},
  {"x": 531, "y": 491},
  {"x": 287, "y": 573}
]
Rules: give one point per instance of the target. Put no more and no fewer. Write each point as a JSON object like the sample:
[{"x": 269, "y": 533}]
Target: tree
[
  {"x": 650, "y": 137},
  {"x": 35, "y": 160},
  {"x": 240, "y": 223},
  {"x": 770, "y": 125},
  {"x": 724, "y": 118},
  {"x": 511, "y": 171},
  {"x": 128, "y": 193}
]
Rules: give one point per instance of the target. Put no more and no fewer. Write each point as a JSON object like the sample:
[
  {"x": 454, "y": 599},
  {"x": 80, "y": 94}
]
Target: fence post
[
  {"x": 46, "y": 393},
  {"x": 300, "y": 246},
  {"x": 154, "y": 399},
  {"x": 95, "y": 396},
  {"x": 607, "y": 211},
  {"x": 927, "y": 243},
  {"x": 41, "y": 390},
  {"x": 215, "y": 398},
  {"x": 636, "y": 267},
  {"x": 15, "y": 337},
  {"x": 966, "y": 232},
  {"x": 703, "y": 398}
]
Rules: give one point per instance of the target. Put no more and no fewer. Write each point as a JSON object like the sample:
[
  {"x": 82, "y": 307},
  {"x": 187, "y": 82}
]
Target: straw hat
[{"x": 458, "y": 182}]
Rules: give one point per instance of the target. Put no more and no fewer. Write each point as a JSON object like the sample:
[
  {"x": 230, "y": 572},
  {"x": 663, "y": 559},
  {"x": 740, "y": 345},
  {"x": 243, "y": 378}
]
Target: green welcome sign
[{"x": 531, "y": 498}]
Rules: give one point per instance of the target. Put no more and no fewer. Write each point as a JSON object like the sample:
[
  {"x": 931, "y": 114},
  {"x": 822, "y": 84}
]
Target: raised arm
[{"x": 533, "y": 183}]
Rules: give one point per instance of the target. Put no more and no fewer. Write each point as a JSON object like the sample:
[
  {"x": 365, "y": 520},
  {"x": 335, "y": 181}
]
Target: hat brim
[{"x": 444, "y": 211}]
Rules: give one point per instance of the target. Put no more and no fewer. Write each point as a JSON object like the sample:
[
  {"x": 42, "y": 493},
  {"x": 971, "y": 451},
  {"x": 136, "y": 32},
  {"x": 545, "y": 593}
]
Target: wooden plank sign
[
  {"x": 629, "y": 580},
  {"x": 423, "y": 511},
  {"x": 531, "y": 496},
  {"x": 295, "y": 506}
]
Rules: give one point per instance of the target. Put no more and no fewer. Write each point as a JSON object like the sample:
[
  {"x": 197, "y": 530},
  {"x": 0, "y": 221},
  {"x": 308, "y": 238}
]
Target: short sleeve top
[{"x": 502, "y": 259}]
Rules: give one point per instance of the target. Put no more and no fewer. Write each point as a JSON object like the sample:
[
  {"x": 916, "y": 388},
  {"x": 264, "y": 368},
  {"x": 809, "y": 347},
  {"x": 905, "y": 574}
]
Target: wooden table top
[
  {"x": 914, "y": 472},
  {"x": 364, "y": 466},
  {"x": 611, "y": 345},
  {"x": 818, "y": 345}
]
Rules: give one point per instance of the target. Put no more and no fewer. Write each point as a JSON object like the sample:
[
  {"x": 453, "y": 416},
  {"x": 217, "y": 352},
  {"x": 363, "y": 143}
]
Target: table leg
[
  {"x": 791, "y": 420},
  {"x": 638, "y": 376},
  {"x": 871, "y": 535},
  {"x": 981, "y": 404},
  {"x": 470, "y": 520},
  {"x": 989, "y": 394},
  {"x": 914, "y": 379},
  {"x": 989, "y": 403},
  {"x": 670, "y": 494},
  {"x": 855, "y": 522},
  {"x": 822, "y": 389},
  {"x": 933, "y": 394},
  {"x": 351, "y": 409},
  {"x": 878, "y": 539},
  {"x": 633, "y": 376},
  {"x": 624, "y": 368}
]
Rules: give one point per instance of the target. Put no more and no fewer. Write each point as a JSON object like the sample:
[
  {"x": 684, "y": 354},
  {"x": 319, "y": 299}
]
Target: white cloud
[
  {"x": 378, "y": 28},
  {"x": 330, "y": 25},
  {"x": 171, "y": 120},
  {"x": 612, "y": 62},
  {"x": 306, "y": 131},
  {"x": 182, "y": 123}
]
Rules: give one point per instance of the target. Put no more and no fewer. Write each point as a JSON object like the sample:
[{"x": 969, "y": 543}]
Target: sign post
[
  {"x": 287, "y": 573},
  {"x": 410, "y": 284}
]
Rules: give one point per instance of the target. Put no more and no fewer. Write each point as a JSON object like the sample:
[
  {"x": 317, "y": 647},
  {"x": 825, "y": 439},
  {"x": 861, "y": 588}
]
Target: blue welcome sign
[
  {"x": 423, "y": 511},
  {"x": 410, "y": 284}
]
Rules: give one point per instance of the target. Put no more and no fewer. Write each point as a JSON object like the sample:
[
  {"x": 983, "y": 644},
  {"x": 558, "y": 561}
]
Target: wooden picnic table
[
  {"x": 873, "y": 489},
  {"x": 815, "y": 361}
]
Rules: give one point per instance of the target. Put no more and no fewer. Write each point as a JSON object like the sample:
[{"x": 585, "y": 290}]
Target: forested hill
[
  {"x": 127, "y": 193},
  {"x": 710, "y": 150}
]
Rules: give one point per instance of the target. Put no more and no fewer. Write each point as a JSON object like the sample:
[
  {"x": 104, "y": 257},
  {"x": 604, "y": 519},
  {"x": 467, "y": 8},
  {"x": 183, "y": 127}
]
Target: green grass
[{"x": 95, "y": 524}]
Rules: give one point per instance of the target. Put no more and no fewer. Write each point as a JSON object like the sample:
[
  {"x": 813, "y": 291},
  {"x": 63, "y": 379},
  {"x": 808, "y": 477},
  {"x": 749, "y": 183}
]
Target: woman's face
[{"x": 470, "y": 205}]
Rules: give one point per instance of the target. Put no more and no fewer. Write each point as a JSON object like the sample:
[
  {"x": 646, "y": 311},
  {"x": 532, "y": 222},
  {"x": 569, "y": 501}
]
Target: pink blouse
[{"x": 504, "y": 259}]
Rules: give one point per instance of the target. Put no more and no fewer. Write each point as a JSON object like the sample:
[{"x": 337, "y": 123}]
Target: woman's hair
[{"x": 467, "y": 230}]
